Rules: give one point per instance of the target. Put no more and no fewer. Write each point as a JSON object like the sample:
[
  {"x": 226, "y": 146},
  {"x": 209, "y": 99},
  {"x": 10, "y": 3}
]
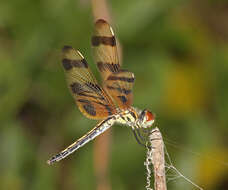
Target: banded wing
[
  {"x": 91, "y": 99},
  {"x": 117, "y": 82},
  {"x": 119, "y": 85},
  {"x": 104, "y": 49}
]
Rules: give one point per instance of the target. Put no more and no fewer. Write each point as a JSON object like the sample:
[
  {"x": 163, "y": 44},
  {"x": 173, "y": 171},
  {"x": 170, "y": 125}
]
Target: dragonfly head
[{"x": 146, "y": 118}]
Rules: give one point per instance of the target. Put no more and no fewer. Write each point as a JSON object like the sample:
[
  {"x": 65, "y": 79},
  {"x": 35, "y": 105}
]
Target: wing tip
[
  {"x": 66, "y": 48},
  {"x": 101, "y": 21}
]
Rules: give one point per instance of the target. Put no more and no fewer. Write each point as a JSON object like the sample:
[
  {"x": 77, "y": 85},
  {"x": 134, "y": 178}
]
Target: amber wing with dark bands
[
  {"x": 104, "y": 49},
  {"x": 91, "y": 99},
  {"x": 119, "y": 85}
]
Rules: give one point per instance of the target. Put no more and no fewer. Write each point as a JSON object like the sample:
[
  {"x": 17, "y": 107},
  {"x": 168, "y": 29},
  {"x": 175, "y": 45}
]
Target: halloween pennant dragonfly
[{"x": 110, "y": 103}]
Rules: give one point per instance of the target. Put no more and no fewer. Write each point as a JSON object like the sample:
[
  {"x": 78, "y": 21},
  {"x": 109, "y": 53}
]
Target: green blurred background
[{"x": 178, "y": 51}]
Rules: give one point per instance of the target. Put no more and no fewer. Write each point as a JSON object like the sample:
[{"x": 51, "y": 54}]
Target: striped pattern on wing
[
  {"x": 91, "y": 99},
  {"x": 104, "y": 49},
  {"x": 119, "y": 86}
]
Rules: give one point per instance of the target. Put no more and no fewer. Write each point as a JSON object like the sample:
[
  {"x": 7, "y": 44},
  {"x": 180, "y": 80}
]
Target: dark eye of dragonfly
[{"x": 149, "y": 116}]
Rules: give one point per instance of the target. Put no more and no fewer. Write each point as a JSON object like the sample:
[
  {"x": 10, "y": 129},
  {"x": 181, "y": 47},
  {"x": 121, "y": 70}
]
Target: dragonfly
[{"x": 110, "y": 102}]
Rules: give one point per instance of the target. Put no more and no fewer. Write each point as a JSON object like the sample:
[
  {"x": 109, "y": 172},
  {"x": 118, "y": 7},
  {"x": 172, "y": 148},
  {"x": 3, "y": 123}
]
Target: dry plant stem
[
  {"x": 156, "y": 157},
  {"x": 101, "y": 143},
  {"x": 101, "y": 160},
  {"x": 100, "y": 10}
]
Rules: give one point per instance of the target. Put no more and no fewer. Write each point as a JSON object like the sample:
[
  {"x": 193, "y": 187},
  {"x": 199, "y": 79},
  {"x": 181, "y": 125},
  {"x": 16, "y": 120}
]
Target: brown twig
[
  {"x": 102, "y": 143},
  {"x": 100, "y": 10},
  {"x": 156, "y": 157}
]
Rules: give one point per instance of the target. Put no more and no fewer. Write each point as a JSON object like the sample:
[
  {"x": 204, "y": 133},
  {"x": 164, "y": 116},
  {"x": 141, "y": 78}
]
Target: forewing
[
  {"x": 104, "y": 49},
  {"x": 119, "y": 85},
  {"x": 91, "y": 99}
]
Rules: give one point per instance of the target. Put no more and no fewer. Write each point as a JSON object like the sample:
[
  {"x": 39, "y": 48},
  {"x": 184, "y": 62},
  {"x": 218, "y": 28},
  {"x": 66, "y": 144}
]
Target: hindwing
[{"x": 91, "y": 98}]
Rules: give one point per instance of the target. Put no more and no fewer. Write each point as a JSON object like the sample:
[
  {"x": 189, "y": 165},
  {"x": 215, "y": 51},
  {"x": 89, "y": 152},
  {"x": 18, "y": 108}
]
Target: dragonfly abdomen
[{"x": 97, "y": 130}]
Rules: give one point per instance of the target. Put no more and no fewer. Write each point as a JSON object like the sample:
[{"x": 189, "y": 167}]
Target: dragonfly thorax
[
  {"x": 135, "y": 118},
  {"x": 127, "y": 117}
]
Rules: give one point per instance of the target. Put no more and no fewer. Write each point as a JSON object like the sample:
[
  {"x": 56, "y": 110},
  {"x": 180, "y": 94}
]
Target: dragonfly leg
[
  {"x": 140, "y": 136},
  {"x": 137, "y": 139},
  {"x": 140, "y": 139}
]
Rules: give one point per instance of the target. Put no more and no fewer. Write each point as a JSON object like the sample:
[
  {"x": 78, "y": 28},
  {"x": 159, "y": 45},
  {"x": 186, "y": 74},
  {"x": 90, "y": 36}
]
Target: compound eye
[{"x": 149, "y": 116}]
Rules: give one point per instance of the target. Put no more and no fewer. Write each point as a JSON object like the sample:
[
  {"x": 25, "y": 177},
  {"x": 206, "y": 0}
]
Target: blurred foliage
[{"x": 178, "y": 52}]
